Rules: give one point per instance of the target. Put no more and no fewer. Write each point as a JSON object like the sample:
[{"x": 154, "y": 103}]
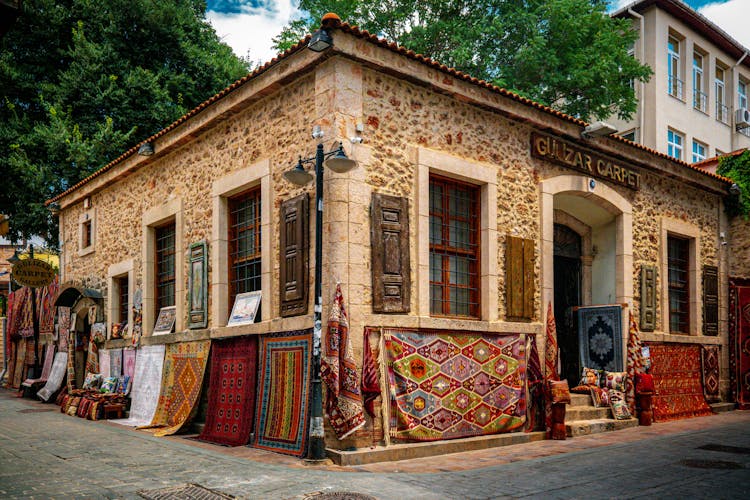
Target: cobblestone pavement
[{"x": 45, "y": 454}]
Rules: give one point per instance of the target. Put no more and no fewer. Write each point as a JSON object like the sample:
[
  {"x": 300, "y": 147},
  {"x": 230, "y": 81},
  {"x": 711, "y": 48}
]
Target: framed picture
[
  {"x": 198, "y": 279},
  {"x": 165, "y": 321},
  {"x": 245, "y": 308}
]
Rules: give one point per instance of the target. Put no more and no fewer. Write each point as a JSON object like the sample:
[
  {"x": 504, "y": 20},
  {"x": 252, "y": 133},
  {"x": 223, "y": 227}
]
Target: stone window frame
[
  {"x": 114, "y": 272},
  {"x": 692, "y": 233},
  {"x": 87, "y": 217},
  {"x": 257, "y": 174},
  {"x": 429, "y": 162},
  {"x": 152, "y": 218}
]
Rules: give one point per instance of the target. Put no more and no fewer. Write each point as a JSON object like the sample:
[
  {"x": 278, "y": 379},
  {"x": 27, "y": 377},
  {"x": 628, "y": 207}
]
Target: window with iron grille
[
  {"x": 165, "y": 266},
  {"x": 122, "y": 306},
  {"x": 454, "y": 248},
  {"x": 244, "y": 244},
  {"x": 678, "y": 255}
]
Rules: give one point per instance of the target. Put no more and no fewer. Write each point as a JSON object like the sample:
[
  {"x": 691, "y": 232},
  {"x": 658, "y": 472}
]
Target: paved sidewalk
[{"x": 45, "y": 454}]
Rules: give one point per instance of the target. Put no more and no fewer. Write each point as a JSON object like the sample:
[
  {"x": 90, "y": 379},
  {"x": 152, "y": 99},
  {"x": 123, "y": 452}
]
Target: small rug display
[
  {"x": 454, "y": 385},
  {"x": 46, "y": 369},
  {"x": 45, "y": 307},
  {"x": 18, "y": 371},
  {"x": 56, "y": 376},
  {"x": 104, "y": 362},
  {"x": 550, "y": 365},
  {"x": 370, "y": 384},
  {"x": 339, "y": 373},
  {"x": 115, "y": 363},
  {"x": 128, "y": 362},
  {"x": 536, "y": 386},
  {"x": 181, "y": 382},
  {"x": 677, "y": 379},
  {"x": 710, "y": 372},
  {"x": 231, "y": 393},
  {"x": 600, "y": 337},
  {"x": 149, "y": 363},
  {"x": 283, "y": 392},
  {"x": 740, "y": 313},
  {"x": 63, "y": 328},
  {"x": 635, "y": 363}
]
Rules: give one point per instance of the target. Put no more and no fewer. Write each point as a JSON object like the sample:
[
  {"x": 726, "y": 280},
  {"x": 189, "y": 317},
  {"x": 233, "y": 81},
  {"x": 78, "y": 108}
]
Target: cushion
[
  {"x": 92, "y": 381},
  {"x": 110, "y": 384},
  {"x": 614, "y": 380},
  {"x": 560, "y": 391},
  {"x": 581, "y": 389},
  {"x": 619, "y": 406},
  {"x": 124, "y": 386},
  {"x": 644, "y": 382},
  {"x": 596, "y": 396},
  {"x": 590, "y": 376}
]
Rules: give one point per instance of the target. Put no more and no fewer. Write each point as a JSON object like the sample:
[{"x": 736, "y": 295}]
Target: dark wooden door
[{"x": 567, "y": 258}]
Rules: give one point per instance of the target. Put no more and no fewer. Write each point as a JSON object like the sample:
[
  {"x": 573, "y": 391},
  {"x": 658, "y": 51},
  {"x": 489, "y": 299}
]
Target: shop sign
[
  {"x": 569, "y": 154},
  {"x": 33, "y": 273}
]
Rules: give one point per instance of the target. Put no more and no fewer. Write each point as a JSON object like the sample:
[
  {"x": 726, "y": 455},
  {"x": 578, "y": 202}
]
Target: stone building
[{"x": 464, "y": 199}]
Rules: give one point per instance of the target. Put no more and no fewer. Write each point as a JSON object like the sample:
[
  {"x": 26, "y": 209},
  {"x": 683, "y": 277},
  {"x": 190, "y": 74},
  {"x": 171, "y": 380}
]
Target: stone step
[
  {"x": 573, "y": 413},
  {"x": 580, "y": 399},
  {"x": 722, "y": 407},
  {"x": 585, "y": 427}
]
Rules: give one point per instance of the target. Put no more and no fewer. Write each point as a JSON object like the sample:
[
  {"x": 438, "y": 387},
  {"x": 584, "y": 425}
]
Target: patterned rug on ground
[
  {"x": 710, "y": 372},
  {"x": 600, "y": 337},
  {"x": 446, "y": 386},
  {"x": 56, "y": 377},
  {"x": 231, "y": 394},
  {"x": 181, "y": 382},
  {"x": 149, "y": 363},
  {"x": 677, "y": 379},
  {"x": 283, "y": 388}
]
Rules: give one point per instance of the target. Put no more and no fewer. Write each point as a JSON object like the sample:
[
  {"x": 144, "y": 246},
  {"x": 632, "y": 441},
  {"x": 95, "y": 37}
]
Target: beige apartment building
[{"x": 696, "y": 104}]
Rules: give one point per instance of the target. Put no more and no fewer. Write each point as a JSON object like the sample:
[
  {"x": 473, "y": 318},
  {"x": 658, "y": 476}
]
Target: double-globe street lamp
[{"x": 337, "y": 161}]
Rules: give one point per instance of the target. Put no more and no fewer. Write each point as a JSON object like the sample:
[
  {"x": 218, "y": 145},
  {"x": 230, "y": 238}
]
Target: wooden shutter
[
  {"x": 648, "y": 298},
  {"x": 294, "y": 256},
  {"x": 519, "y": 277},
  {"x": 710, "y": 300},
  {"x": 391, "y": 271}
]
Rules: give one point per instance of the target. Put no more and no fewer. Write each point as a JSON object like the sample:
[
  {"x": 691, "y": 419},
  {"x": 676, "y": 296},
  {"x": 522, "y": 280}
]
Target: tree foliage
[
  {"x": 567, "y": 54},
  {"x": 82, "y": 80},
  {"x": 737, "y": 168}
]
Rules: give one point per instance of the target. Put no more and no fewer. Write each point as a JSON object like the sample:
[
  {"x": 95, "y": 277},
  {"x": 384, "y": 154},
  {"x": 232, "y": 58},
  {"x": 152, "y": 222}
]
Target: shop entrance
[{"x": 567, "y": 293}]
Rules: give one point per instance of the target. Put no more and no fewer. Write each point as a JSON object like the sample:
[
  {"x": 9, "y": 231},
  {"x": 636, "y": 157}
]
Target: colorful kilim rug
[
  {"x": 49, "y": 356},
  {"x": 25, "y": 317},
  {"x": 181, "y": 382},
  {"x": 635, "y": 363},
  {"x": 454, "y": 385},
  {"x": 72, "y": 336},
  {"x": 128, "y": 362},
  {"x": 710, "y": 372},
  {"x": 115, "y": 363},
  {"x": 550, "y": 365},
  {"x": 677, "y": 379},
  {"x": 56, "y": 376},
  {"x": 339, "y": 373},
  {"x": 370, "y": 385},
  {"x": 536, "y": 386},
  {"x": 63, "y": 327},
  {"x": 742, "y": 346},
  {"x": 104, "y": 361},
  {"x": 231, "y": 394},
  {"x": 600, "y": 337},
  {"x": 149, "y": 363},
  {"x": 283, "y": 388},
  {"x": 46, "y": 309}
]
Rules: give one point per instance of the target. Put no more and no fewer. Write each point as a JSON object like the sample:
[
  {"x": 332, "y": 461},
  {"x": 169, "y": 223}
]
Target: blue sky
[{"x": 248, "y": 26}]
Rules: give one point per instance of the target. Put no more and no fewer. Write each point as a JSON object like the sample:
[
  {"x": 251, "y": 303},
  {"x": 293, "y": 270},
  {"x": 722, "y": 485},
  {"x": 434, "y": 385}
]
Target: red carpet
[{"x": 677, "y": 378}]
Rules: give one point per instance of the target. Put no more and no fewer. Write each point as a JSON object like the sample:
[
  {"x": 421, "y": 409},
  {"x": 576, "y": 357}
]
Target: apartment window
[
  {"x": 454, "y": 248},
  {"x": 699, "y": 151},
  {"x": 122, "y": 298},
  {"x": 673, "y": 67},
  {"x": 165, "y": 266},
  {"x": 244, "y": 244},
  {"x": 699, "y": 97},
  {"x": 722, "y": 112},
  {"x": 741, "y": 94},
  {"x": 678, "y": 260},
  {"x": 674, "y": 144}
]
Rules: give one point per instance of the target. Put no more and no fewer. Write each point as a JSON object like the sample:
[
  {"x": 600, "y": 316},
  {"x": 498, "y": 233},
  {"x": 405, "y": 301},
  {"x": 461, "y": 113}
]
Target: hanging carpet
[
  {"x": 149, "y": 363},
  {"x": 49, "y": 356},
  {"x": 454, "y": 385},
  {"x": 104, "y": 361},
  {"x": 46, "y": 308},
  {"x": 677, "y": 380},
  {"x": 63, "y": 328},
  {"x": 115, "y": 363},
  {"x": 181, "y": 381},
  {"x": 600, "y": 337},
  {"x": 128, "y": 362},
  {"x": 17, "y": 372},
  {"x": 710, "y": 372},
  {"x": 231, "y": 393},
  {"x": 635, "y": 363},
  {"x": 56, "y": 376},
  {"x": 739, "y": 314},
  {"x": 283, "y": 392}
]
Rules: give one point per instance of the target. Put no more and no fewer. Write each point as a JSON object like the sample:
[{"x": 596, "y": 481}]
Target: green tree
[
  {"x": 737, "y": 168},
  {"x": 82, "y": 80},
  {"x": 567, "y": 54}
]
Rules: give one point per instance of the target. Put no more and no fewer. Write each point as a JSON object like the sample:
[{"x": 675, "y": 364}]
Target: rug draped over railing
[{"x": 149, "y": 363}]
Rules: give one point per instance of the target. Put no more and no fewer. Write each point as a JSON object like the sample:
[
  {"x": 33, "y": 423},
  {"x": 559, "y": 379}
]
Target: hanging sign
[
  {"x": 568, "y": 154},
  {"x": 33, "y": 273}
]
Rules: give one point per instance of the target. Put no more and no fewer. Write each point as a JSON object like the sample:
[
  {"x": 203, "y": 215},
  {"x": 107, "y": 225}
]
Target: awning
[{"x": 70, "y": 292}]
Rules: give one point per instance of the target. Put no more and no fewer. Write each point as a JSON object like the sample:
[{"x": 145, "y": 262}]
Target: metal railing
[
  {"x": 699, "y": 100},
  {"x": 675, "y": 87}
]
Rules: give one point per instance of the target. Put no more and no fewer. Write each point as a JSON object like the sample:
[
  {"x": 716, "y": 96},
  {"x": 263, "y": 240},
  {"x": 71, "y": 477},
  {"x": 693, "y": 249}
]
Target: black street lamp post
[{"x": 337, "y": 161}]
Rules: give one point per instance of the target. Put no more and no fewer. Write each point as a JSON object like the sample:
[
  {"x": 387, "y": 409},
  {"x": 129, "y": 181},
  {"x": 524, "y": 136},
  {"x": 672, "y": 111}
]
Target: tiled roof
[
  {"x": 332, "y": 21},
  {"x": 711, "y": 161}
]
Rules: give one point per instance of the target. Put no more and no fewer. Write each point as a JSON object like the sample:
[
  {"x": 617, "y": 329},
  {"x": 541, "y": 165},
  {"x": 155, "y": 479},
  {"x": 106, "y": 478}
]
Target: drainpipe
[
  {"x": 733, "y": 131},
  {"x": 642, "y": 50}
]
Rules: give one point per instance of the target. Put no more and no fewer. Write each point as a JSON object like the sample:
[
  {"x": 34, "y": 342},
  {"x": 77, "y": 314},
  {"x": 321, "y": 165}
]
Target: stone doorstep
[
  {"x": 407, "y": 451},
  {"x": 722, "y": 407},
  {"x": 573, "y": 413},
  {"x": 584, "y": 427},
  {"x": 580, "y": 400}
]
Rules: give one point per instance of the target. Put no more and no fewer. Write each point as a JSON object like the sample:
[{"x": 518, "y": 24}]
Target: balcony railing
[
  {"x": 722, "y": 112},
  {"x": 699, "y": 100},
  {"x": 675, "y": 87}
]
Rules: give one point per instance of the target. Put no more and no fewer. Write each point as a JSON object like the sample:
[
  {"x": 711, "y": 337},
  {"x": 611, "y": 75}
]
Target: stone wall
[{"x": 739, "y": 247}]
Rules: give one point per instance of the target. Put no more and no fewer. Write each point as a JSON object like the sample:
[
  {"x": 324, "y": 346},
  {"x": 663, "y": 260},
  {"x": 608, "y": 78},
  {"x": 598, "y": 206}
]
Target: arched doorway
[{"x": 568, "y": 294}]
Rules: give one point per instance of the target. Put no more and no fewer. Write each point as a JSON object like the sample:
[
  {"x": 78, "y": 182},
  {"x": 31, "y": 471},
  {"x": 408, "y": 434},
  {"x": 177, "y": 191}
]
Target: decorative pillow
[
  {"x": 596, "y": 396},
  {"x": 590, "y": 376},
  {"x": 92, "y": 381},
  {"x": 110, "y": 384},
  {"x": 619, "y": 406},
  {"x": 124, "y": 386},
  {"x": 605, "y": 397},
  {"x": 615, "y": 380},
  {"x": 560, "y": 391},
  {"x": 644, "y": 382},
  {"x": 580, "y": 389}
]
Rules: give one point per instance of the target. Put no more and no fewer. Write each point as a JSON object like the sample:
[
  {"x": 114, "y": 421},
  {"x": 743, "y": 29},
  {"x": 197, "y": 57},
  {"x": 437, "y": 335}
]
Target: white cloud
[
  {"x": 731, "y": 16},
  {"x": 250, "y": 33}
]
